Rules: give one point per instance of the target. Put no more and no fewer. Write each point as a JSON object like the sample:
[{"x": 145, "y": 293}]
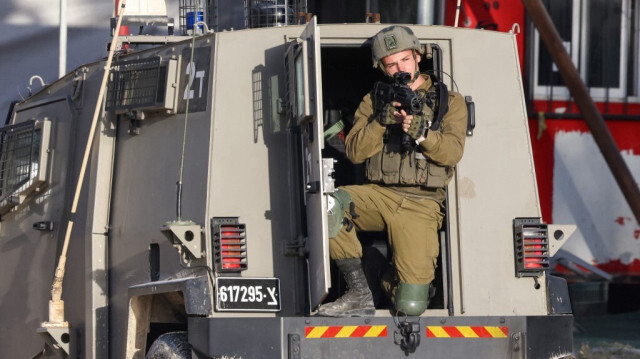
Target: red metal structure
[{"x": 573, "y": 183}]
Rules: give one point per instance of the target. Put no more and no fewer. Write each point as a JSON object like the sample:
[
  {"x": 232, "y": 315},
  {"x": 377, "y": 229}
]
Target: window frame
[
  {"x": 37, "y": 179},
  {"x": 578, "y": 51}
]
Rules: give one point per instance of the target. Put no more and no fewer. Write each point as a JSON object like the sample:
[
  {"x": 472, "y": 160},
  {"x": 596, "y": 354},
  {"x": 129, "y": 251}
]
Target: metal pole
[
  {"x": 375, "y": 6},
  {"x": 62, "y": 62},
  {"x": 438, "y": 19},
  {"x": 457, "y": 13},
  {"x": 425, "y": 12},
  {"x": 588, "y": 109},
  {"x": 56, "y": 304}
]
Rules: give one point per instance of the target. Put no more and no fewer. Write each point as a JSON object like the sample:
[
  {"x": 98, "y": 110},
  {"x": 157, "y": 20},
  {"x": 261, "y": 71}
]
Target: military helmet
[{"x": 391, "y": 40}]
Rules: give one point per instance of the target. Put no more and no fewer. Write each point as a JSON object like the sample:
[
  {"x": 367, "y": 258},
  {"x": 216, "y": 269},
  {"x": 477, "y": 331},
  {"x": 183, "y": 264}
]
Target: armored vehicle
[{"x": 232, "y": 262}]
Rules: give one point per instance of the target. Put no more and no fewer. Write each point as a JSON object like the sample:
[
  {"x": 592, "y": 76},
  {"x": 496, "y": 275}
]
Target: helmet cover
[{"x": 391, "y": 40}]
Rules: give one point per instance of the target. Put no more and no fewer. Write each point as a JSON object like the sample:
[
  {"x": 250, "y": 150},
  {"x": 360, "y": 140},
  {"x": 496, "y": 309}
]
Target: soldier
[{"x": 406, "y": 190}]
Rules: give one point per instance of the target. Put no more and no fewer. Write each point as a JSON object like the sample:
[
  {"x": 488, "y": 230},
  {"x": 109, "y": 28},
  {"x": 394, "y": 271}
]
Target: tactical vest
[{"x": 397, "y": 166}]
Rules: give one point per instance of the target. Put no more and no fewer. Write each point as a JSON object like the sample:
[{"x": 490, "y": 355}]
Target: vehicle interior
[{"x": 347, "y": 76}]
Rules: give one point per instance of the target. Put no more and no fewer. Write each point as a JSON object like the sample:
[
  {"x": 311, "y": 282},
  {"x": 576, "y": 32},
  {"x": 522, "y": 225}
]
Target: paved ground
[{"x": 607, "y": 336}]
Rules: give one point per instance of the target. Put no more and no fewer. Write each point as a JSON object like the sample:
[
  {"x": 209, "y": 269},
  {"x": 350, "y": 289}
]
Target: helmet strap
[{"x": 416, "y": 73}]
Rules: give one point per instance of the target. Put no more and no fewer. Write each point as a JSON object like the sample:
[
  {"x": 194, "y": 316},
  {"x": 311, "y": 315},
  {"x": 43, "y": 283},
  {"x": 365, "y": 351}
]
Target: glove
[
  {"x": 386, "y": 117},
  {"x": 420, "y": 123},
  {"x": 418, "y": 126},
  {"x": 379, "y": 95}
]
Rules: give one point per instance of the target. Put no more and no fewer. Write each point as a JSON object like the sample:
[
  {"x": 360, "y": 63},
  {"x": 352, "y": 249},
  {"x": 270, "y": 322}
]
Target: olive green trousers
[{"x": 411, "y": 224}]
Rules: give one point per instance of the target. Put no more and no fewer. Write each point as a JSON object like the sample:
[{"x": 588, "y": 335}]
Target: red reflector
[
  {"x": 230, "y": 244},
  {"x": 532, "y": 265},
  {"x": 531, "y": 247},
  {"x": 231, "y": 266}
]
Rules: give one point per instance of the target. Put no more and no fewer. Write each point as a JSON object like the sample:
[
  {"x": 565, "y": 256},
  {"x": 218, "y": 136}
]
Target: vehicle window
[
  {"x": 22, "y": 161},
  {"x": 299, "y": 86}
]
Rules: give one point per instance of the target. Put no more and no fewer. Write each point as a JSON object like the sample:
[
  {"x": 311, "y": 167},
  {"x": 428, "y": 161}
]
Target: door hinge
[
  {"x": 328, "y": 175},
  {"x": 296, "y": 247}
]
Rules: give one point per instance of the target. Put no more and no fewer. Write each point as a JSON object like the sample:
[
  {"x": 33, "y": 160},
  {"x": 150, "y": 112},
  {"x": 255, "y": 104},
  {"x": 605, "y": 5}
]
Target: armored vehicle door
[{"x": 305, "y": 107}]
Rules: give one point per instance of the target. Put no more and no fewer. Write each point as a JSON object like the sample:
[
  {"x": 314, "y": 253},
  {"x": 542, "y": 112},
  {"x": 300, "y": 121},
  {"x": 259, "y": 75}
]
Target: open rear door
[{"x": 305, "y": 99}]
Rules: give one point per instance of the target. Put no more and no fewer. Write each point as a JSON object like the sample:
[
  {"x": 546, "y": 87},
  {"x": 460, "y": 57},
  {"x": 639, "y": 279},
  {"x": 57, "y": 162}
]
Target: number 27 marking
[{"x": 192, "y": 74}]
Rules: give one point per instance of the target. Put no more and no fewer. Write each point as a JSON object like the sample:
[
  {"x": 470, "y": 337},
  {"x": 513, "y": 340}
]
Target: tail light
[
  {"x": 531, "y": 247},
  {"x": 229, "y": 244}
]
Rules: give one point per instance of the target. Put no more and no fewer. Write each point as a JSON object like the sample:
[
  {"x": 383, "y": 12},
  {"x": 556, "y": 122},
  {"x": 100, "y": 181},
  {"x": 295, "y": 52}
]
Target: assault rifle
[
  {"x": 410, "y": 101},
  {"x": 398, "y": 91}
]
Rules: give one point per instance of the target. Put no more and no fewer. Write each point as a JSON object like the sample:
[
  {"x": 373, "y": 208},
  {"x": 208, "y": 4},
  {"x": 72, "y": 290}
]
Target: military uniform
[
  {"x": 407, "y": 174},
  {"x": 407, "y": 190}
]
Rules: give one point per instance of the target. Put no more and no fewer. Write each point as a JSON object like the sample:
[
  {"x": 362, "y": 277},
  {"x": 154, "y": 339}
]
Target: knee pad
[
  {"x": 412, "y": 299},
  {"x": 338, "y": 203}
]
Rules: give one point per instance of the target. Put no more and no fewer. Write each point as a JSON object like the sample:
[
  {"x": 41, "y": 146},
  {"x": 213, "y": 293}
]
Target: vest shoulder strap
[{"x": 442, "y": 103}]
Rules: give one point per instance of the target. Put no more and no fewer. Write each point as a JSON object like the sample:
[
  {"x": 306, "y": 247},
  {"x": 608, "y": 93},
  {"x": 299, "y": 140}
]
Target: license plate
[{"x": 248, "y": 294}]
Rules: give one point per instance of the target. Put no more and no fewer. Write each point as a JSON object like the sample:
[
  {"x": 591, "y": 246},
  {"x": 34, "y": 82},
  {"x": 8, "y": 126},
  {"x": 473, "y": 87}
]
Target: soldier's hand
[
  {"x": 415, "y": 126},
  {"x": 386, "y": 117},
  {"x": 390, "y": 115},
  {"x": 404, "y": 120}
]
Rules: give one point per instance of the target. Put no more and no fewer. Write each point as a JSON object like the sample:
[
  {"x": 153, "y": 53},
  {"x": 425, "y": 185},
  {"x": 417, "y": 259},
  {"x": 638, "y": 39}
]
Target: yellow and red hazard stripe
[
  {"x": 460, "y": 331},
  {"x": 346, "y": 331}
]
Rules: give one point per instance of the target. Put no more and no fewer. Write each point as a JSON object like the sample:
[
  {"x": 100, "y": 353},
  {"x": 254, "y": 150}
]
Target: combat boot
[{"x": 357, "y": 301}]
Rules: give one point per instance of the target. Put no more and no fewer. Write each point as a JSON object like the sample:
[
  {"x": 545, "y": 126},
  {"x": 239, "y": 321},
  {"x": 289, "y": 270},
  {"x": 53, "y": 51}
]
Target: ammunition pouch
[{"x": 393, "y": 166}]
